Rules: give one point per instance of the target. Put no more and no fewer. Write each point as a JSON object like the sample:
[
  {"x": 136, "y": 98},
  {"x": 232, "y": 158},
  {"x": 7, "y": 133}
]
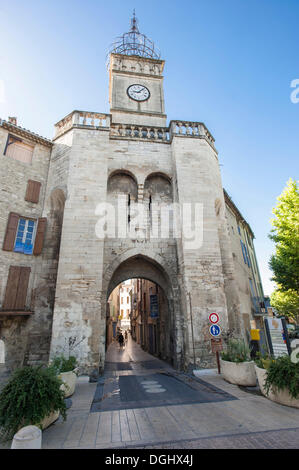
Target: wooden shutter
[
  {"x": 11, "y": 230},
  {"x": 39, "y": 238},
  {"x": 22, "y": 288},
  {"x": 16, "y": 288},
  {"x": 32, "y": 192}
]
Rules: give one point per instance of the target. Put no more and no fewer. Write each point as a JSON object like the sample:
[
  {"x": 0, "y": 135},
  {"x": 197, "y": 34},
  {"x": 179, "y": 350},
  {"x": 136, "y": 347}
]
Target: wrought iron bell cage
[{"x": 135, "y": 43}]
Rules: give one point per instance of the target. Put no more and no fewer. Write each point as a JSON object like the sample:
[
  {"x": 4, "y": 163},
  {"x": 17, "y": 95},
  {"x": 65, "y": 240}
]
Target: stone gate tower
[{"x": 132, "y": 155}]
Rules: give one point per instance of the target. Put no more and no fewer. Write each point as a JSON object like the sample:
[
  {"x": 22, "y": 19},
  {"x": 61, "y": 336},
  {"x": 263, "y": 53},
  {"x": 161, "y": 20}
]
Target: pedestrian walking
[
  {"x": 120, "y": 340},
  {"x": 126, "y": 336}
]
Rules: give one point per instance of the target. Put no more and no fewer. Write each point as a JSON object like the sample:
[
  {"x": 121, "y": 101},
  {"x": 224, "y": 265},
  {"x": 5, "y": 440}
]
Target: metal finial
[{"x": 134, "y": 23}]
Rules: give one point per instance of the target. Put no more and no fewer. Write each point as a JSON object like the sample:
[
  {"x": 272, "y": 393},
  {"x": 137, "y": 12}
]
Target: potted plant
[
  {"x": 32, "y": 396},
  {"x": 67, "y": 372},
  {"x": 279, "y": 380},
  {"x": 261, "y": 365},
  {"x": 236, "y": 364}
]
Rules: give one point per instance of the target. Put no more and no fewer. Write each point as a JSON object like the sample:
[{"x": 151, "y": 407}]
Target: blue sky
[{"x": 229, "y": 63}]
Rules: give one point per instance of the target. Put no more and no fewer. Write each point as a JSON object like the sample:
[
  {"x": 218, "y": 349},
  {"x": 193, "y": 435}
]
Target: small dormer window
[{"x": 18, "y": 149}]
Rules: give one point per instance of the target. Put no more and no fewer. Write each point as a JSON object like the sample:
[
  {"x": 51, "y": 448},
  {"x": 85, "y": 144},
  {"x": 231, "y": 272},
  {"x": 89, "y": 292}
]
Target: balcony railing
[
  {"x": 191, "y": 129},
  {"x": 90, "y": 120},
  {"x": 136, "y": 132},
  {"x": 82, "y": 119}
]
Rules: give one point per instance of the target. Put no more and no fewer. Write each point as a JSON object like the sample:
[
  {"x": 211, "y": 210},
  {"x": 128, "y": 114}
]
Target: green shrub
[
  {"x": 30, "y": 395},
  {"x": 237, "y": 351},
  {"x": 263, "y": 361},
  {"x": 61, "y": 364},
  {"x": 283, "y": 374}
]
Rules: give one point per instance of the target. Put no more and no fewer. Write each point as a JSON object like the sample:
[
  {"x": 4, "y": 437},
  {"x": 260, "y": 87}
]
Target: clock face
[{"x": 138, "y": 92}]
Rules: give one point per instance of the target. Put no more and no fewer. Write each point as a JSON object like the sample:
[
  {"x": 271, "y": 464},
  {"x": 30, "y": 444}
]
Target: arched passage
[
  {"x": 140, "y": 266},
  {"x": 152, "y": 285}
]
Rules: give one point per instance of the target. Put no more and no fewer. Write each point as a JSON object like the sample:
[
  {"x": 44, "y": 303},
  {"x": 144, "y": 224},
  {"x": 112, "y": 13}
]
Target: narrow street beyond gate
[{"x": 134, "y": 379}]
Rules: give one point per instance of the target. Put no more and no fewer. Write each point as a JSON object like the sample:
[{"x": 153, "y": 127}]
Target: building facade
[
  {"x": 70, "y": 233},
  {"x": 150, "y": 320},
  {"x": 119, "y": 310}
]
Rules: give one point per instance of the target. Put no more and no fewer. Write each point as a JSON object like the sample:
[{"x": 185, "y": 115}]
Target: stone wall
[
  {"x": 198, "y": 182},
  {"x": 45, "y": 283},
  {"x": 239, "y": 231},
  {"x": 14, "y": 176},
  {"x": 77, "y": 314}
]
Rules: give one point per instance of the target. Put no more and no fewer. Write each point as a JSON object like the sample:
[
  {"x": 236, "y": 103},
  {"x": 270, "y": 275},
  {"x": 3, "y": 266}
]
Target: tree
[
  {"x": 286, "y": 303},
  {"x": 285, "y": 233}
]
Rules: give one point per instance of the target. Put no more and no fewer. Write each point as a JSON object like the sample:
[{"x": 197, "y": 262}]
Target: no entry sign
[{"x": 214, "y": 318}]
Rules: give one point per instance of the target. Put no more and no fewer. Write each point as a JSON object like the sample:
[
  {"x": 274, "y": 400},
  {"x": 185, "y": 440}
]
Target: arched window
[
  {"x": 121, "y": 182},
  {"x": 158, "y": 194}
]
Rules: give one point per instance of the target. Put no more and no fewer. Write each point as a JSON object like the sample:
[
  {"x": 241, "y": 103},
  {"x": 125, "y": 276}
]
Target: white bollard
[{"x": 29, "y": 437}]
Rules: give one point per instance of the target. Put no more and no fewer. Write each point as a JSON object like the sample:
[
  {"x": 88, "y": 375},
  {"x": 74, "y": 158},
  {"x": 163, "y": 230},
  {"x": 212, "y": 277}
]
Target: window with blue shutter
[
  {"x": 25, "y": 236},
  {"x": 254, "y": 299},
  {"x": 247, "y": 256},
  {"x": 243, "y": 251}
]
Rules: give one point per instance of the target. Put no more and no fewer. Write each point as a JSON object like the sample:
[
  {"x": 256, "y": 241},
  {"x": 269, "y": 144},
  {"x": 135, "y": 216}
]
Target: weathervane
[
  {"x": 135, "y": 43},
  {"x": 134, "y": 27}
]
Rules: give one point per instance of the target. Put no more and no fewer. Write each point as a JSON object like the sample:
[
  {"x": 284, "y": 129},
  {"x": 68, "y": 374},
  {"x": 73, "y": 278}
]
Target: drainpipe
[{"x": 191, "y": 318}]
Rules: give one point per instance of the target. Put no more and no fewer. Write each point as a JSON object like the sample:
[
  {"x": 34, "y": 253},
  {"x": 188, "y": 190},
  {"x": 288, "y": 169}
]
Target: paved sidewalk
[
  {"x": 281, "y": 439},
  {"x": 118, "y": 413}
]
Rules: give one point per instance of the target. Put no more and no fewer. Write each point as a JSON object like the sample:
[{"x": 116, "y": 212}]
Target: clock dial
[{"x": 138, "y": 92}]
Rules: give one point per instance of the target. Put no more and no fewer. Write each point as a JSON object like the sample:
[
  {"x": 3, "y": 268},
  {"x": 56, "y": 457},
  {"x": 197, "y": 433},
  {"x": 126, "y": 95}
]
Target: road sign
[
  {"x": 278, "y": 340},
  {"x": 154, "y": 307},
  {"x": 215, "y": 330},
  {"x": 216, "y": 344},
  {"x": 214, "y": 318}
]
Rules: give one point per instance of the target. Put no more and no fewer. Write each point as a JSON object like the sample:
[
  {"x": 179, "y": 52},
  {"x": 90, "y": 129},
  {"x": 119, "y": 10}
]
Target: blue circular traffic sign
[{"x": 215, "y": 330}]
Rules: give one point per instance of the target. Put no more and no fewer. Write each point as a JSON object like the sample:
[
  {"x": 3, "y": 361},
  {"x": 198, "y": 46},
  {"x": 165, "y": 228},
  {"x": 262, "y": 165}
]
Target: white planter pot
[
  {"x": 69, "y": 383},
  {"x": 279, "y": 396},
  {"x": 239, "y": 373},
  {"x": 261, "y": 377},
  {"x": 29, "y": 437}
]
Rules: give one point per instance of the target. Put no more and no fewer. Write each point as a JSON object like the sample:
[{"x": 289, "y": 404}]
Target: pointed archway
[{"x": 144, "y": 265}]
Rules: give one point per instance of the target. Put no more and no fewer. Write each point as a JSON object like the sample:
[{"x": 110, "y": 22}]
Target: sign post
[
  {"x": 192, "y": 329},
  {"x": 215, "y": 332}
]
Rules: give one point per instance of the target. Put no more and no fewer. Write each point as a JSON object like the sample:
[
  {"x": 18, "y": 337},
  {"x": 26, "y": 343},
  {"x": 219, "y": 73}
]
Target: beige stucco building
[{"x": 70, "y": 233}]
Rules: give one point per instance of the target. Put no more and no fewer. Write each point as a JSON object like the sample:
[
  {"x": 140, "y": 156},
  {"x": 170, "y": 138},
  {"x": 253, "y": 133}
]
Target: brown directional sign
[{"x": 216, "y": 344}]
